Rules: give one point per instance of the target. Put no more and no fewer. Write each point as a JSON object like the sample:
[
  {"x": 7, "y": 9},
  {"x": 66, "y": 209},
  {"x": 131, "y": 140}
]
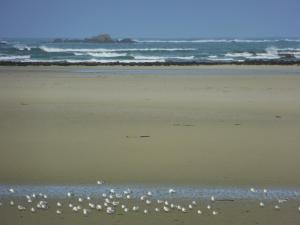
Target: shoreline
[
  {"x": 157, "y": 191},
  {"x": 113, "y": 206},
  {"x": 190, "y": 63}
]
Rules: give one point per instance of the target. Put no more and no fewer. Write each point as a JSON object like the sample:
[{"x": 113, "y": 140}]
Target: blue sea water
[{"x": 160, "y": 50}]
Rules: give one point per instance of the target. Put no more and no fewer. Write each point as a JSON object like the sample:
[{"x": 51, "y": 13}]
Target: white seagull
[{"x": 172, "y": 191}]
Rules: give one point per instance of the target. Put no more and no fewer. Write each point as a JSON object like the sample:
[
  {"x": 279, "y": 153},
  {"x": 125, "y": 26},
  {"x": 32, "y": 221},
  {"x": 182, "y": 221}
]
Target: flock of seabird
[{"x": 122, "y": 202}]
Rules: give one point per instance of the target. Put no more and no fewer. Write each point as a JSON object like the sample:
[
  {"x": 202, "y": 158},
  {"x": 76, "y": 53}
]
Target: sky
[{"x": 150, "y": 18}]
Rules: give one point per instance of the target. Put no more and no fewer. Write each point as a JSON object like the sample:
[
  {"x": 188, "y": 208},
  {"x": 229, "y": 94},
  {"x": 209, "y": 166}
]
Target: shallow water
[{"x": 203, "y": 192}]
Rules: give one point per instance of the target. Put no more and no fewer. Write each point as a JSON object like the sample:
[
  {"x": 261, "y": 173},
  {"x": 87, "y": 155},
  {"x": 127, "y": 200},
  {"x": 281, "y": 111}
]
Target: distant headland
[{"x": 101, "y": 38}]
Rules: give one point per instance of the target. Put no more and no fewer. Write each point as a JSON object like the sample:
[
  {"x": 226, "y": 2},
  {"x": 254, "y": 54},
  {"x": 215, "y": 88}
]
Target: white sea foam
[
  {"x": 142, "y": 57},
  {"x": 239, "y": 54},
  {"x": 93, "y": 60},
  {"x": 106, "y": 54},
  {"x": 14, "y": 57},
  {"x": 180, "y": 41},
  {"x": 292, "y": 40},
  {"x": 87, "y": 50},
  {"x": 22, "y": 47},
  {"x": 115, "y": 60},
  {"x": 210, "y": 41},
  {"x": 271, "y": 53},
  {"x": 101, "y": 54},
  {"x": 220, "y": 59},
  {"x": 289, "y": 49}
]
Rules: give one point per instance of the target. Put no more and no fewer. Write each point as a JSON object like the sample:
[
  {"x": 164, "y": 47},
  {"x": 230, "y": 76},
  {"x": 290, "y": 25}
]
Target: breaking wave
[
  {"x": 52, "y": 49},
  {"x": 218, "y": 40},
  {"x": 14, "y": 57}
]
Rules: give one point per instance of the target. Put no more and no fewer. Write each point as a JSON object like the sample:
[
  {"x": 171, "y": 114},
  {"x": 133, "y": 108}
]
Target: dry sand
[{"x": 61, "y": 126}]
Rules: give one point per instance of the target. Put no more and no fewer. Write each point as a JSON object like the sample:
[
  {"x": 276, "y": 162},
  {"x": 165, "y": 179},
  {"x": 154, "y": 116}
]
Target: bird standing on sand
[
  {"x": 172, "y": 191},
  {"x": 85, "y": 212},
  {"x": 21, "y": 208},
  {"x": 75, "y": 209},
  {"x": 166, "y": 209},
  {"x": 159, "y": 201},
  {"x": 98, "y": 207},
  {"x": 99, "y": 182},
  {"x": 135, "y": 208},
  {"x": 183, "y": 210},
  {"x": 212, "y": 198},
  {"x": 32, "y": 210},
  {"x": 110, "y": 210}
]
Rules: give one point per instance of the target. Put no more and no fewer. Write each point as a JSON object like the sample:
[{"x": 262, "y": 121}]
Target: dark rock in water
[
  {"x": 126, "y": 40},
  {"x": 102, "y": 38},
  {"x": 58, "y": 40}
]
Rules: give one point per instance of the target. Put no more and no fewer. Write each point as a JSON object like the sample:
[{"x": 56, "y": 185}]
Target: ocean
[{"x": 151, "y": 51}]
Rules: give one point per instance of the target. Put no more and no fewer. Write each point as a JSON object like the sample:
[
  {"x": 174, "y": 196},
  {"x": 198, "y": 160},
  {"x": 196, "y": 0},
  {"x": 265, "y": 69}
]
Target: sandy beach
[
  {"x": 63, "y": 125},
  {"x": 227, "y": 126},
  {"x": 231, "y": 213}
]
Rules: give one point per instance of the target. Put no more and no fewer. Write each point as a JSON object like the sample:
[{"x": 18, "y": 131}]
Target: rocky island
[{"x": 101, "y": 38}]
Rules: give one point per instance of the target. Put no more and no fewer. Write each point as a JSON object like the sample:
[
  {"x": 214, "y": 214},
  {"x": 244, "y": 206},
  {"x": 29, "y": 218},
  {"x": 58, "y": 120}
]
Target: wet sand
[
  {"x": 59, "y": 125},
  {"x": 229, "y": 213}
]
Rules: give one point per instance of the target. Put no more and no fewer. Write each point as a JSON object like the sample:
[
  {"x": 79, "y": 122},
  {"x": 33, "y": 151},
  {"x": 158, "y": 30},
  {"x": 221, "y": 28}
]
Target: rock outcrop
[{"x": 102, "y": 38}]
